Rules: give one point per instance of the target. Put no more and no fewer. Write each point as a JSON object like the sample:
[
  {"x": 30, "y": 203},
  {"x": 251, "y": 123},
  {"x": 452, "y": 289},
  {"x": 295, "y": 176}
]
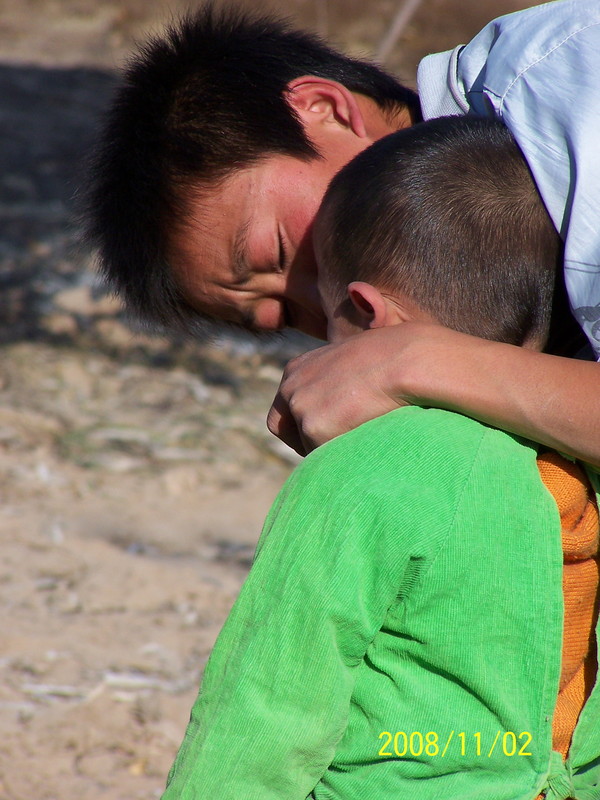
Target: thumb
[{"x": 282, "y": 424}]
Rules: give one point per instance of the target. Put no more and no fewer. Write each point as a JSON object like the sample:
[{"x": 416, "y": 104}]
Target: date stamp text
[{"x": 430, "y": 743}]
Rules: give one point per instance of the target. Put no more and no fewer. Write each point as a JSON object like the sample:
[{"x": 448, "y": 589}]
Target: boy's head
[{"x": 441, "y": 222}]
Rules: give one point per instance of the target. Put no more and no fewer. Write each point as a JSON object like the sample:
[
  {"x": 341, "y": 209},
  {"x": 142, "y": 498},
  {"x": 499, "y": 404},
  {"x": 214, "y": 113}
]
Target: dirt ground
[
  {"x": 134, "y": 472},
  {"x": 131, "y": 501}
]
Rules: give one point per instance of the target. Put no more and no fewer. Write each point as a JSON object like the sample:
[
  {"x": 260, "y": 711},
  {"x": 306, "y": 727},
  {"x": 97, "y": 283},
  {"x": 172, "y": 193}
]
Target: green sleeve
[{"x": 276, "y": 691}]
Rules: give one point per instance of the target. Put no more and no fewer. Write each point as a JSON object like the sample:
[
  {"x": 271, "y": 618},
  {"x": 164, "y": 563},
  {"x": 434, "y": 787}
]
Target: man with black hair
[
  {"x": 404, "y": 611},
  {"x": 207, "y": 183},
  {"x": 212, "y": 132}
]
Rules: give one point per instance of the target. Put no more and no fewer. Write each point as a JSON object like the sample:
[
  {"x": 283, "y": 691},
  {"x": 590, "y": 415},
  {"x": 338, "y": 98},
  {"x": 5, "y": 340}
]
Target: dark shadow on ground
[{"x": 47, "y": 124}]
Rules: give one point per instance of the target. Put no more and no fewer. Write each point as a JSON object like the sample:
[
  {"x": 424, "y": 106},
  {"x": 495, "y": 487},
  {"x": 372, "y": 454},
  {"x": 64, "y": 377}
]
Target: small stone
[
  {"x": 60, "y": 324},
  {"x": 147, "y": 708},
  {"x": 116, "y": 463},
  {"x": 80, "y": 300},
  {"x": 270, "y": 373},
  {"x": 114, "y": 333},
  {"x": 136, "y": 435},
  {"x": 138, "y": 768},
  {"x": 56, "y": 533},
  {"x": 179, "y": 481},
  {"x": 71, "y": 604}
]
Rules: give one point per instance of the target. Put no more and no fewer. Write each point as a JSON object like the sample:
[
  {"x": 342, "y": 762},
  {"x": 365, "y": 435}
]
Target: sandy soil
[
  {"x": 134, "y": 472},
  {"x": 131, "y": 501}
]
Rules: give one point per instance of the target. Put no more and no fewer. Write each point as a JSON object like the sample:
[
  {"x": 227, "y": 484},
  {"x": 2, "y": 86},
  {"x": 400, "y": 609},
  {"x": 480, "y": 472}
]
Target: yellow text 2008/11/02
[{"x": 430, "y": 743}]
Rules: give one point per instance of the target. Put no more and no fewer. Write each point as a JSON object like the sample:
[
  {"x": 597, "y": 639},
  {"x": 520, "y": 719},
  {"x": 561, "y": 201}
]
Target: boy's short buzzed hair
[
  {"x": 197, "y": 103},
  {"x": 447, "y": 213}
]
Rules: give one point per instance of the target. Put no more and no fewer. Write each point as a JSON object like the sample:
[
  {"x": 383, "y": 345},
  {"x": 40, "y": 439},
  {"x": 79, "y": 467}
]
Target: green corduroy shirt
[{"x": 399, "y": 634}]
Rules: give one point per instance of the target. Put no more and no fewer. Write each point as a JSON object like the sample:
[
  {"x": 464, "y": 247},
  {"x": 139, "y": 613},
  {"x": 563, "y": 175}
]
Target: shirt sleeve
[
  {"x": 276, "y": 693},
  {"x": 538, "y": 71}
]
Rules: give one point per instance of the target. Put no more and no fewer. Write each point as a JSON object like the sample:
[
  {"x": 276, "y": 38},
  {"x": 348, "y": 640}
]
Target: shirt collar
[{"x": 440, "y": 92}]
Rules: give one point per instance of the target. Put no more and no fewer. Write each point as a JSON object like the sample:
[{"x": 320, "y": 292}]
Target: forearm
[{"x": 551, "y": 400}]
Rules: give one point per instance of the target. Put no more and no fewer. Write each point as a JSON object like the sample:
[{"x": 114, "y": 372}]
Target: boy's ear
[
  {"x": 369, "y": 304},
  {"x": 319, "y": 100}
]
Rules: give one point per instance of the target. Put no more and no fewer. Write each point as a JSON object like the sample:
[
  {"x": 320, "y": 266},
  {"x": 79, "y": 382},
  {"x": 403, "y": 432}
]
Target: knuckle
[
  {"x": 296, "y": 403},
  {"x": 310, "y": 430}
]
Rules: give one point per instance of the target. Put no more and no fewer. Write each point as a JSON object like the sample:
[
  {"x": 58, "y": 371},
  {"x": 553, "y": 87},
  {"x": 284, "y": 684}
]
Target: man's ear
[
  {"x": 369, "y": 304},
  {"x": 319, "y": 100}
]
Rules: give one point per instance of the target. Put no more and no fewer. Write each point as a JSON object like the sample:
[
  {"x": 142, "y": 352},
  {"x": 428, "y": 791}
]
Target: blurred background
[{"x": 135, "y": 471}]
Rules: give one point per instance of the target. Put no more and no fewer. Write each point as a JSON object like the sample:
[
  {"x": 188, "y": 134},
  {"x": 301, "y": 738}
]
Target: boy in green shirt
[{"x": 399, "y": 634}]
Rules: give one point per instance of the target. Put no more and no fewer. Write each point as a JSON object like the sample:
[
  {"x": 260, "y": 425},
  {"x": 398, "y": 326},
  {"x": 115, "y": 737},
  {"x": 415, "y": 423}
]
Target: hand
[
  {"x": 545, "y": 398},
  {"x": 336, "y": 388}
]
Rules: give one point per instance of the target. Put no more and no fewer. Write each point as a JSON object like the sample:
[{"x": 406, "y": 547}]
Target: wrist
[{"x": 439, "y": 366}]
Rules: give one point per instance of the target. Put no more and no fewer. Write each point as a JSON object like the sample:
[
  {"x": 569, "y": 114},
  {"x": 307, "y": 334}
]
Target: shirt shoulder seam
[
  {"x": 542, "y": 57},
  {"x": 451, "y": 523}
]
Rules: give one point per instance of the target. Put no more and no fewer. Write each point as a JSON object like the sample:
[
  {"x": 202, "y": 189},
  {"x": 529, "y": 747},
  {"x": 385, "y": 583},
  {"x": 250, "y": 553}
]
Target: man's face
[{"x": 245, "y": 254}]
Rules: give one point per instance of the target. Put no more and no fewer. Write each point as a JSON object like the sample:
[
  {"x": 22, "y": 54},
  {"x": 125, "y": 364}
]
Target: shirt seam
[
  {"x": 455, "y": 91},
  {"x": 443, "y": 544},
  {"x": 444, "y": 540},
  {"x": 595, "y": 267},
  {"x": 540, "y": 770},
  {"x": 541, "y": 58}
]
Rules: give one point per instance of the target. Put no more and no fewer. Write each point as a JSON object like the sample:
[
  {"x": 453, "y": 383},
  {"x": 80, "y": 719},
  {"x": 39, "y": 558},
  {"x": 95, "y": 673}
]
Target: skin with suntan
[
  {"x": 243, "y": 252},
  {"x": 549, "y": 399}
]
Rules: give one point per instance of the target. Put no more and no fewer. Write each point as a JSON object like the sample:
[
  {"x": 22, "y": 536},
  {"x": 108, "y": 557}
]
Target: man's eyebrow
[{"x": 239, "y": 265}]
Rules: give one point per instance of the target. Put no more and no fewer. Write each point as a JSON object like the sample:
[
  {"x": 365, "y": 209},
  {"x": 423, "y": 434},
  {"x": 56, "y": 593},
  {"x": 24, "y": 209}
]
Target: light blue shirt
[{"x": 539, "y": 71}]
